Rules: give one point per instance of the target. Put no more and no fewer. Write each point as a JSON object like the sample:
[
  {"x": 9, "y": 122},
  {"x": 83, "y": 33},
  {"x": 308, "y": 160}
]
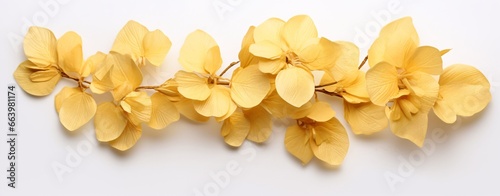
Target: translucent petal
[
  {"x": 140, "y": 105},
  {"x": 44, "y": 75},
  {"x": 194, "y": 51},
  {"x": 235, "y": 129},
  {"x": 186, "y": 108},
  {"x": 330, "y": 142},
  {"x": 396, "y": 43},
  {"x": 93, "y": 63},
  {"x": 130, "y": 40},
  {"x": 260, "y": 124},
  {"x": 69, "y": 49},
  {"x": 77, "y": 110},
  {"x": 321, "y": 55},
  {"x": 413, "y": 128},
  {"x": 298, "y": 30},
  {"x": 427, "y": 87},
  {"x": 109, "y": 122},
  {"x": 464, "y": 89},
  {"x": 156, "y": 46},
  {"x": 192, "y": 86},
  {"x": 64, "y": 94},
  {"x": 382, "y": 83},
  {"x": 217, "y": 104},
  {"x": 365, "y": 118},
  {"x": 213, "y": 60},
  {"x": 266, "y": 49},
  {"x": 40, "y": 47},
  {"x": 101, "y": 85},
  {"x": 129, "y": 137},
  {"x": 295, "y": 85},
  {"x": 444, "y": 111},
  {"x": 347, "y": 61},
  {"x": 249, "y": 87},
  {"x": 425, "y": 59},
  {"x": 124, "y": 70},
  {"x": 356, "y": 91},
  {"x": 269, "y": 30},
  {"x": 321, "y": 112},
  {"x": 163, "y": 112},
  {"x": 23, "y": 74},
  {"x": 297, "y": 143}
]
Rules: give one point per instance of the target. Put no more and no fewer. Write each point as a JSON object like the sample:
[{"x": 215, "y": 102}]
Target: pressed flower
[
  {"x": 463, "y": 91},
  {"x": 200, "y": 57},
  {"x": 401, "y": 73},
  {"x": 291, "y": 50},
  {"x": 254, "y": 124},
  {"x": 142, "y": 45},
  {"x": 317, "y": 133}
]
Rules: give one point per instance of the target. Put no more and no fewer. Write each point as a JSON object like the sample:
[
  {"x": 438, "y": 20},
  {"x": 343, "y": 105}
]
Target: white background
[{"x": 179, "y": 160}]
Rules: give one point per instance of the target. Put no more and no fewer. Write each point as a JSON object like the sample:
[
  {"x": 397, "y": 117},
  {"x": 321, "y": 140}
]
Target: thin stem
[
  {"x": 229, "y": 67},
  {"x": 363, "y": 62},
  {"x": 81, "y": 83},
  {"x": 146, "y": 87},
  {"x": 329, "y": 93},
  {"x": 222, "y": 83},
  {"x": 327, "y": 84}
]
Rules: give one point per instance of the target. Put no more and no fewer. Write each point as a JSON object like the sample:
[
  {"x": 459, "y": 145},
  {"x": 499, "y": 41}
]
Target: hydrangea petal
[
  {"x": 163, "y": 111},
  {"x": 77, "y": 110},
  {"x": 235, "y": 129},
  {"x": 298, "y": 30},
  {"x": 365, "y": 118},
  {"x": 297, "y": 143},
  {"x": 186, "y": 108},
  {"x": 260, "y": 124},
  {"x": 217, "y": 104},
  {"x": 70, "y": 55},
  {"x": 130, "y": 40},
  {"x": 425, "y": 59},
  {"x": 23, "y": 74},
  {"x": 64, "y": 94},
  {"x": 156, "y": 46},
  {"x": 194, "y": 50},
  {"x": 269, "y": 30},
  {"x": 129, "y": 137},
  {"x": 382, "y": 83},
  {"x": 140, "y": 107},
  {"x": 40, "y": 47},
  {"x": 192, "y": 86},
  {"x": 295, "y": 85},
  {"x": 331, "y": 142},
  {"x": 109, "y": 122},
  {"x": 249, "y": 87}
]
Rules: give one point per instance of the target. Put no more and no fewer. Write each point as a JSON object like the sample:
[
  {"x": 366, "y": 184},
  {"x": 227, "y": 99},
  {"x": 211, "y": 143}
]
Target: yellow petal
[
  {"x": 235, "y": 129},
  {"x": 321, "y": 112},
  {"x": 194, "y": 51},
  {"x": 163, "y": 112},
  {"x": 130, "y": 40},
  {"x": 246, "y": 58},
  {"x": 249, "y": 87},
  {"x": 444, "y": 111},
  {"x": 356, "y": 91},
  {"x": 129, "y": 137},
  {"x": 156, "y": 46},
  {"x": 321, "y": 55},
  {"x": 271, "y": 66},
  {"x": 365, "y": 118},
  {"x": 40, "y": 47},
  {"x": 169, "y": 88},
  {"x": 412, "y": 128},
  {"x": 275, "y": 105},
  {"x": 347, "y": 62},
  {"x": 382, "y": 83},
  {"x": 109, "y": 122},
  {"x": 217, "y": 104},
  {"x": 69, "y": 49},
  {"x": 64, "y": 94},
  {"x": 298, "y": 30},
  {"x": 425, "y": 59},
  {"x": 295, "y": 85},
  {"x": 101, "y": 85},
  {"x": 232, "y": 109},
  {"x": 397, "y": 41},
  {"x": 213, "y": 60},
  {"x": 425, "y": 88},
  {"x": 44, "y": 75},
  {"x": 330, "y": 143},
  {"x": 23, "y": 74},
  {"x": 260, "y": 124},
  {"x": 93, "y": 63},
  {"x": 464, "y": 89},
  {"x": 266, "y": 49},
  {"x": 77, "y": 110},
  {"x": 124, "y": 70},
  {"x": 186, "y": 108},
  {"x": 192, "y": 86},
  {"x": 297, "y": 143},
  {"x": 140, "y": 107},
  {"x": 269, "y": 30}
]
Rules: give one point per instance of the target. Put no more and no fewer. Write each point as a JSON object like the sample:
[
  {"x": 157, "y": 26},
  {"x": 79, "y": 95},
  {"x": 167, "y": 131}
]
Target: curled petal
[
  {"x": 413, "y": 128},
  {"x": 69, "y": 49},
  {"x": 40, "y": 47},
  {"x": 186, "y": 108},
  {"x": 130, "y": 40},
  {"x": 217, "y": 104},
  {"x": 297, "y": 143},
  {"x": 64, "y": 94},
  {"x": 138, "y": 107},
  {"x": 330, "y": 142},
  {"x": 260, "y": 124},
  {"x": 235, "y": 129},
  {"x": 129, "y": 137},
  {"x": 194, "y": 51},
  {"x": 23, "y": 78}
]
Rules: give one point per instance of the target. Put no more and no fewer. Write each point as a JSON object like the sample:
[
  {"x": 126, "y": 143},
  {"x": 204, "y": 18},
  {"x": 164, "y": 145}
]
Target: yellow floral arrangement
[{"x": 274, "y": 80}]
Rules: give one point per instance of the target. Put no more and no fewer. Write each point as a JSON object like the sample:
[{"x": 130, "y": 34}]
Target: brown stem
[
  {"x": 329, "y": 93},
  {"x": 146, "y": 87},
  {"x": 228, "y": 67},
  {"x": 80, "y": 83},
  {"x": 222, "y": 83},
  {"x": 363, "y": 62},
  {"x": 327, "y": 84}
]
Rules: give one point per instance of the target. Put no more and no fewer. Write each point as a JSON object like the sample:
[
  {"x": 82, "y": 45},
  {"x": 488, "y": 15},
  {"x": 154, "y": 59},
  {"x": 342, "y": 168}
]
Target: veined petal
[
  {"x": 295, "y": 85},
  {"x": 260, "y": 124},
  {"x": 129, "y": 137},
  {"x": 425, "y": 89},
  {"x": 249, "y": 87},
  {"x": 186, "y": 108},
  {"x": 77, "y": 110},
  {"x": 297, "y": 143},
  {"x": 298, "y": 30},
  {"x": 330, "y": 142},
  {"x": 124, "y": 70},
  {"x": 140, "y": 107},
  {"x": 156, "y": 46},
  {"x": 213, "y": 60},
  {"x": 44, "y": 75},
  {"x": 93, "y": 63},
  {"x": 40, "y": 47},
  {"x": 444, "y": 111},
  {"x": 270, "y": 30},
  {"x": 271, "y": 66},
  {"x": 464, "y": 89},
  {"x": 69, "y": 49},
  {"x": 23, "y": 74},
  {"x": 266, "y": 49},
  {"x": 217, "y": 104},
  {"x": 397, "y": 42},
  {"x": 346, "y": 62},
  {"x": 64, "y": 94},
  {"x": 275, "y": 105},
  {"x": 321, "y": 112},
  {"x": 321, "y": 55},
  {"x": 101, "y": 85},
  {"x": 412, "y": 128},
  {"x": 130, "y": 40},
  {"x": 356, "y": 91},
  {"x": 109, "y": 122},
  {"x": 426, "y": 59},
  {"x": 192, "y": 86},
  {"x": 382, "y": 83},
  {"x": 194, "y": 51},
  {"x": 163, "y": 111},
  {"x": 235, "y": 129},
  {"x": 365, "y": 118}
]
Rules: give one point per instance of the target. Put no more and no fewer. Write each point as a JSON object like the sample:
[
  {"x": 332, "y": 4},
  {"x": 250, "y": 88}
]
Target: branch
[
  {"x": 146, "y": 87},
  {"x": 329, "y": 93},
  {"x": 363, "y": 62},
  {"x": 327, "y": 84},
  {"x": 228, "y": 67}
]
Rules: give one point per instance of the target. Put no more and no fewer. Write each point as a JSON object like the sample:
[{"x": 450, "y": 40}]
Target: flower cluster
[{"x": 274, "y": 79}]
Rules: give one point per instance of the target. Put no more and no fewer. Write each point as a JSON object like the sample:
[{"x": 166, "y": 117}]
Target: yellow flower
[
  {"x": 401, "y": 73},
  {"x": 464, "y": 91},
  {"x": 363, "y": 116},
  {"x": 317, "y": 133},
  {"x": 254, "y": 124},
  {"x": 200, "y": 57},
  {"x": 290, "y": 50},
  {"x": 142, "y": 45}
]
